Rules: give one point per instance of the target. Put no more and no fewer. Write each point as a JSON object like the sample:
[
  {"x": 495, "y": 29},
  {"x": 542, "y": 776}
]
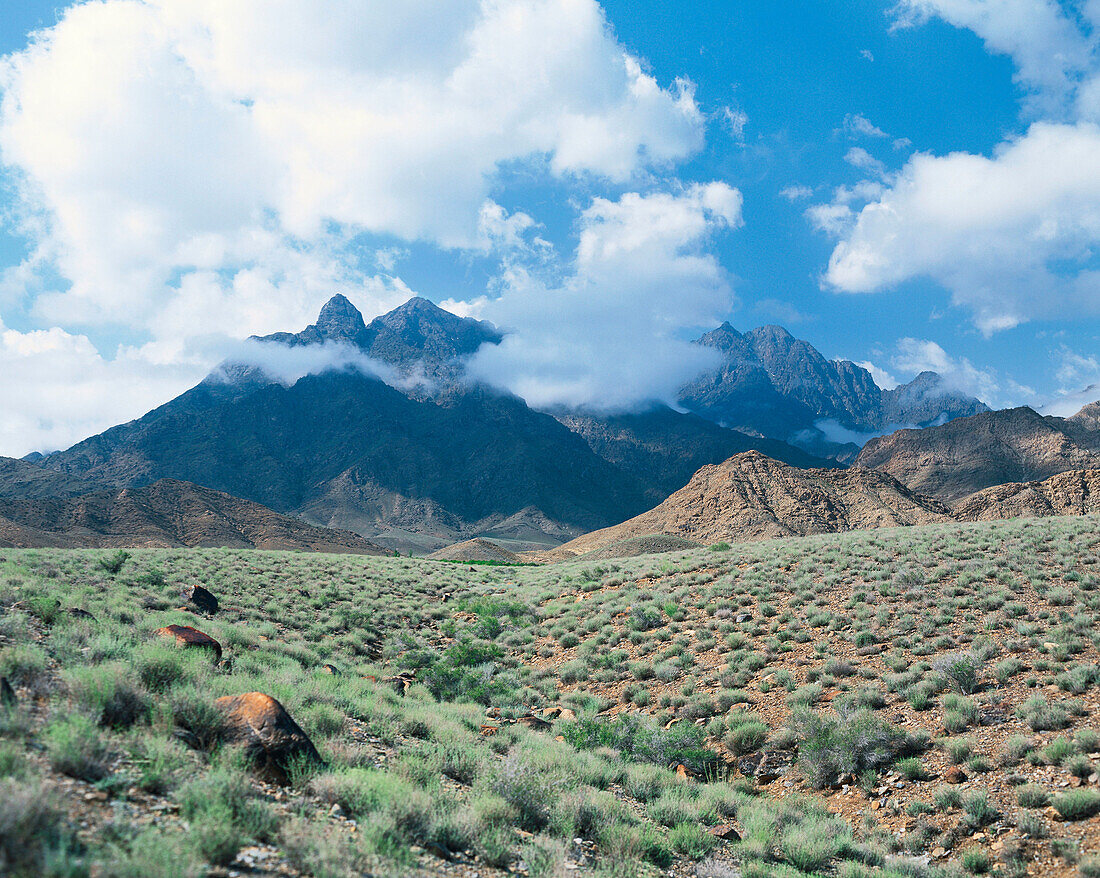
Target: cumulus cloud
[
  {"x": 610, "y": 334},
  {"x": 921, "y": 355},
  {"x": 156, "y": 142},
  {"x": 1011, "y": 236},
  {"x": 57, "y": 389},
  {"x": 1049, "y": 49}
]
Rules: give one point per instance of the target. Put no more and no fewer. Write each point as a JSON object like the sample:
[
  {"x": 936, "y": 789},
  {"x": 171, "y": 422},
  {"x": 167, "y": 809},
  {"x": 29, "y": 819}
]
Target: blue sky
[{"x": 905, "y": 185}]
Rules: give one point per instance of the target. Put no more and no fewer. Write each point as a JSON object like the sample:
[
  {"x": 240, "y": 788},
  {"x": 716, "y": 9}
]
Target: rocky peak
[{"x": 340, "y": 320}]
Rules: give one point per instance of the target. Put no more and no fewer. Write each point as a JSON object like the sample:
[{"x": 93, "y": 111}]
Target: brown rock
[
  {"x": 189, "y": 637},
  {"x": 535, "y": 723},
  {"x": 955, "y": 775},
  {"x": 489, "y": 731},
  {"x": 271, "y": 737},
  {"x": 567, "y": 714},
  {"x": 201, "y": 598}
]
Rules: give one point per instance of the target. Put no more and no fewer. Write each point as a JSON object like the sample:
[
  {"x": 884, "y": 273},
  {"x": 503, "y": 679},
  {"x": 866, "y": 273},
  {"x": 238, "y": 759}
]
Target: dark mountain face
[{"x": 775, "y": 385}]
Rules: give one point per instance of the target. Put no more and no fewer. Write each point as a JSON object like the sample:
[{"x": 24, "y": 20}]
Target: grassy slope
[{"x": 840, "y": 655}]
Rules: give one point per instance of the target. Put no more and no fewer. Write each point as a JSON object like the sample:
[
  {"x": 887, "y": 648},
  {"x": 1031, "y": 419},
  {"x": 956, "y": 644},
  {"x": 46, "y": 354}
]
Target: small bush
[
  {"x": 1032, "y": 796},
  {"x": 962, "y": 670},
  {"x": 1079, "y": 804},
  {"x": 831, "y": 745},
  {"x": 78, "y": 748},
  {"x": 32, "y": 829}
]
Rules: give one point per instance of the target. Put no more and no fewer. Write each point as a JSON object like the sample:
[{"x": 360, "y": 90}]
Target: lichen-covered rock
[{"x": 269, "y": 734}]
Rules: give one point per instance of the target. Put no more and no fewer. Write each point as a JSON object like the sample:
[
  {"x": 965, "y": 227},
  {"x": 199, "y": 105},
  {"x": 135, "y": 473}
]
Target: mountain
[
  {"x": 343, "y": 449},
  {"x": 20, "y": 479},
  {"x": 413, "y": 469},
  {"x": 1071, "y": 493},
  {"x": 752, "y": 497},
  {"x": 664, "y": 448},
  {"x": 957, "y": 459},
  {"x": 165, "y": 514},
  {"x": 417, "y": 334},
  {"x": 771, "y": 384}
]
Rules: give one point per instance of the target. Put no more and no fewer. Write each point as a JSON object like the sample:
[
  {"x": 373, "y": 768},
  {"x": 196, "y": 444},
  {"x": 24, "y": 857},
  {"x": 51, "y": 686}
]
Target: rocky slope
[
  {"x": 20, "y": 479},
  {"x": 165, "y": 514},
  {"x": 752, "y": 497},
  {"x": 475, "y": 550},
  {"x": 1070, "y": 493},
  {"x": 957, "y": 459}
]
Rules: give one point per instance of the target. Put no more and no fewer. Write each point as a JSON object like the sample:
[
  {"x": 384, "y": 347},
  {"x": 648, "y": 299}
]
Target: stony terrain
[
  {"x": 165, "y": 514},
  {"x": 914, "y": 702}
]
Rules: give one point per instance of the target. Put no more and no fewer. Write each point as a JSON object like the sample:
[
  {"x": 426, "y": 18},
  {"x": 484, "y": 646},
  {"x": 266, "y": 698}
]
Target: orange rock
[
  {"x": 489, "y": 731},
  {"x": 189, "y": 637},
  {"x": 955, "y": 775},
  {"x": 269, "y": 734}
]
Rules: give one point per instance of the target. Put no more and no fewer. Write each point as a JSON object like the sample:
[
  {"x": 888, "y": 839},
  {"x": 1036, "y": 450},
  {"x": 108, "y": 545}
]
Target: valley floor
[{"x": 907, "y": 702}]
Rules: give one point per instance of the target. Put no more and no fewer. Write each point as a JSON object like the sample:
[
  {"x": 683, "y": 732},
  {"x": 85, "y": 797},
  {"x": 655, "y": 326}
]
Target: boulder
[
  {"x": 726, "y": 832},
  {"x": 535, "y": 723},
  {"x": 272, "y": 740},
  {"x": 191, "y": 638},
  {"x": 955, "y": 775},
  {"x": 201, "y": 599}
]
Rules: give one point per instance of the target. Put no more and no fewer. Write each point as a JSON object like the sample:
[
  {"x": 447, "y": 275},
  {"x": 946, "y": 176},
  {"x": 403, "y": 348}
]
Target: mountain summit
[{"x": 418, "y": 334}]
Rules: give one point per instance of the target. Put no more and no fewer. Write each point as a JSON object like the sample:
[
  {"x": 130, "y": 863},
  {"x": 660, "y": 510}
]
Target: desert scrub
[
  {"x": 834, "y": 744},
  {"x": 1079, "y": 804},
  {"x": 78, "y": 748},
  {"x": 34, "y": 838},
  {"x": 640, "y": 739}
]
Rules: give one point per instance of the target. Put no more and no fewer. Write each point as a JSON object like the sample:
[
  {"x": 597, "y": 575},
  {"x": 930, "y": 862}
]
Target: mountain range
[{"x": 422, "y": 457}]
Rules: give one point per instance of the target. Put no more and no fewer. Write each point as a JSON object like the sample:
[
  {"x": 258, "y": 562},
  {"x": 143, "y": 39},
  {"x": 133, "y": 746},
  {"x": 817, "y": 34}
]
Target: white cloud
[
  {"x": 920, "y": 355},
  {"x": 1050, "y": 51},
  {"x": 882, "y": 378},
  {"x": 1011, "y": 236},
  {"x": 155, "y": 142},
  {"x": 609, "y": 335},
  {"x": 797, "y": 193},
  {"x": 736, "y": 120},
  {"x": 57, "y": 389},
  {"x": 857, "y": 125},
  {"x": 859, "y": 158}
]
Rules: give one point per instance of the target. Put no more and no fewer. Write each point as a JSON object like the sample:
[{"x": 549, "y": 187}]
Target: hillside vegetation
[{"x": 892, "y": 703}]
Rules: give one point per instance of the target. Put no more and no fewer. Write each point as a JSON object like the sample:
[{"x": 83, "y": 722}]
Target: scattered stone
[
  {"x": 189, "y": 637},
  {"x": 955, "y": 775},
  {"x": 271, "y": 737},
  {"x": 201, "y": 598}
]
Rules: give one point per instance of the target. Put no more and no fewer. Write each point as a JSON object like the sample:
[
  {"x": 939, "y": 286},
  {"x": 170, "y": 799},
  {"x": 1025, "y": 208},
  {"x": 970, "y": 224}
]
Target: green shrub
[
  {"x": 640, "y": 739},
  {"x": 1079, "y": 804},
  {"x": 78, "y": 748},
  {"x": 34, "y": 839},
  {"x": 831, "y": 744},
  {"x": 1032, "y": 796}
]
